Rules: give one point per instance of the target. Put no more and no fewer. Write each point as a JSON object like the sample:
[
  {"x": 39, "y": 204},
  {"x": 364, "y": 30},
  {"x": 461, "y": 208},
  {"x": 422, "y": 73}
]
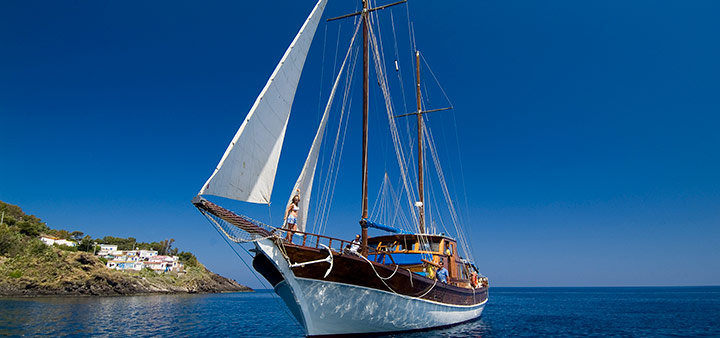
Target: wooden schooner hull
[{"x": 356, "y": 296}]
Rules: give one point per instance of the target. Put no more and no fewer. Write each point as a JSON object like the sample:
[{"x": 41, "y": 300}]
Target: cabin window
[
  {"x": 433, "y": 246},
  {"x": 406, "y": 246},
  {"x": 391, "y": 246}
]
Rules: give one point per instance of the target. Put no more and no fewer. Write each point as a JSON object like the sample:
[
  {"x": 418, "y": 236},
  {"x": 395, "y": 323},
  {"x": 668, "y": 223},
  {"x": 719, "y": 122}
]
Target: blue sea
[{"x": 511, "y": 312}]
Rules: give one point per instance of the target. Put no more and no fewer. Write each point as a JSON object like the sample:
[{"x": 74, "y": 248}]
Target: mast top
[{"x": 366, "y": 10}]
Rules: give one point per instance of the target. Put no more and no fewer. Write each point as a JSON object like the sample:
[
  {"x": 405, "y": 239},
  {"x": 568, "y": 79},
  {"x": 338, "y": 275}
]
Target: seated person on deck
[{"x": 355, "y": 244}]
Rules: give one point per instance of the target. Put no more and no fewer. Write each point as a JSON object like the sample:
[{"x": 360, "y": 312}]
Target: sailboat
[{"x": 399, "y": 281}]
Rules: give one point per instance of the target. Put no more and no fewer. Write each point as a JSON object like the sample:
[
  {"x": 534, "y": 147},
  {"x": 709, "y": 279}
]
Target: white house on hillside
[
  {"x": 125, "y": 265},
  {"x": 50, "y": 240},
  {"x": 106, "y": 249},
  {"x": 139, "y": 259},
  {"x": 147, "y": 253}
]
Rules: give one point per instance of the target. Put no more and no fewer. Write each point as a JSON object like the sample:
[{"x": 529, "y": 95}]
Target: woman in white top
[{"x": 291, "y": 216}]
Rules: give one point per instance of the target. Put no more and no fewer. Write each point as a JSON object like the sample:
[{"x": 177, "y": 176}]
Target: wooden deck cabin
[{"x": 410, "y": 252}]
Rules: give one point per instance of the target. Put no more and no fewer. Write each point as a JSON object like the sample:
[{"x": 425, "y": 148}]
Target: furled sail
[
  {"x": 246, "y": 171},
  {"x": 303, "y": 185}
]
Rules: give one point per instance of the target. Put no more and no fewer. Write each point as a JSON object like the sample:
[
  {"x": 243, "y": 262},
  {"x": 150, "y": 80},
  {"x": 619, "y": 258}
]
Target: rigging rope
[
  {"x": 436, "y": 79},
  {"x": 326, "y": 200},
  {"x": 446, "y": 193},
  {"x": 468, "y": 245},
  {"x": 377, "y": 212},
  {"x": 380, "y": 71},
  {"x": 398, "y": 211},
  {"x": 400, "y": 154},
  {"x": 397, "y": 56},
  {"x": 322, "y": 72},
  {"x": 383, "y": 279},
  {"x": 330, "y": 191}
]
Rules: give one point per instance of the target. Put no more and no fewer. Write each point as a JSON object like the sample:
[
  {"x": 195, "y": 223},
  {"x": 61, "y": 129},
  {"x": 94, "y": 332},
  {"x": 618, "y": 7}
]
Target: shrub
[
  {"x": 36, "y": 247},
  {"x": 29, "y": 228},
  {"x": 147, "y": 272},
  {"x": 10, "y": 242},
  {"x": 65, "y": 247},
  {"x": 188, "y": 259}
]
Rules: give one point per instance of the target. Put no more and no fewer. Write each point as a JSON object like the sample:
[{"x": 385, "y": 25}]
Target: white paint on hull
[{"x": 329, "y": 308}]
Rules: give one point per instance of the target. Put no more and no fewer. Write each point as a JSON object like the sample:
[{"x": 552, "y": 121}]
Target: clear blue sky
[{"x": 589, "y": 130}]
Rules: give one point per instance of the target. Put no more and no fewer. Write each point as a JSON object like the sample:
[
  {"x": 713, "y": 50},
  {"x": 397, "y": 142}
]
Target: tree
[
  {"x": 62, "y": 234},
  {"x": 165, "y": 247},
  {"x": 11, "y": 241},
  {"x": 122, "y": 243},
  {"x": 27, "y": 224},
  {"x": 86, "y": 244},
  {"x": 30, "y": 228},
  {"x": 188, "y": 259},
  {"x": 76, "y": 235}
]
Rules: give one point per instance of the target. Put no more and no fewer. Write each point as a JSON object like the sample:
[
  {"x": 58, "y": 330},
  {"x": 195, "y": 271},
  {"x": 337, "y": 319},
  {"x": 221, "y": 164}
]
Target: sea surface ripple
[{"x": 516, "y": 312}]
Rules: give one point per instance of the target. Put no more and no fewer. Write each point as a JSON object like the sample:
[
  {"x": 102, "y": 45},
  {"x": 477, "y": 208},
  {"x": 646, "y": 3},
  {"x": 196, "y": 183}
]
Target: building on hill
[
  {"x": 50, "y": 240},
  {"x": 125, "y": 265},
  {"x": 136, "y": 260},
  {"x": 165, "y": 264},
  {"x": 168, "y": 263},
  {"x": 106, "y": 249},
  {"x": 145, "y": 254},
  {"x": 65, "y": 242}
]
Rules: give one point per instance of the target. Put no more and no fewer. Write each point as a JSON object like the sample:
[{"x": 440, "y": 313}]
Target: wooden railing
[
  {"x": 387, "y": 254},
  {"x": 311, "y": 240}
]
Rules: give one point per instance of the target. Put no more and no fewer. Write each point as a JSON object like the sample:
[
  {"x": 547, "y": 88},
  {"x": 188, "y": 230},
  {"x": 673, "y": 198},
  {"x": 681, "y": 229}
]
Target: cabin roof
[{"x": 400, "y": 237}]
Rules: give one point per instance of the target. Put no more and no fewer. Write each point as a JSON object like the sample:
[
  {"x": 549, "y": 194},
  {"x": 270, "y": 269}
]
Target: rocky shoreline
[{"x": 134, "y": 289}]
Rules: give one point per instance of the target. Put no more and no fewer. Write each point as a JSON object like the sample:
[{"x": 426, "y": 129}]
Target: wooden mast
[
  {"x": 366, "y": 87},
  {"x": 421, "y": 172},
  {"x": 421, "y": 188},
  {"x": 365, "y": 14}
]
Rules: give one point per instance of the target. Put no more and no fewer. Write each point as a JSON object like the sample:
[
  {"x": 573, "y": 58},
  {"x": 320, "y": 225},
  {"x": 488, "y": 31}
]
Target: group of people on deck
[{"x": 291, "y": 215}]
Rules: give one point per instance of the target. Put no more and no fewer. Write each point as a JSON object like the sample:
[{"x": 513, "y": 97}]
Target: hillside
[{"x": 28, "y": 267}]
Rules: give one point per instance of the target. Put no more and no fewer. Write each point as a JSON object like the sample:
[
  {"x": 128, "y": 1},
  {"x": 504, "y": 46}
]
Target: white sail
[
  {"x": 246, "y": 171},
  {"x": 303, "y": 185}
]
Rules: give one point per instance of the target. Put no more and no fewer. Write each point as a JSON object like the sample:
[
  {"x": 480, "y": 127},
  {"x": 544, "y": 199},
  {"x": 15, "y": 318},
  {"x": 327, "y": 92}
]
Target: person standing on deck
[
  {"x": 291, "y": 216},
  {"x": 442, "y": 273}
]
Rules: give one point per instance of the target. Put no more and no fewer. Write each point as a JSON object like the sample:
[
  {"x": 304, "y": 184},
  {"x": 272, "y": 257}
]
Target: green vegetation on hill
[
  {"x": 18, "y": 230},
  {"x": 28, "y": 267}
]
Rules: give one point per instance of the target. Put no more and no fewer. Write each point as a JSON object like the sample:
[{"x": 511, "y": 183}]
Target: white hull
[{"x": 329, "y": 308}]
